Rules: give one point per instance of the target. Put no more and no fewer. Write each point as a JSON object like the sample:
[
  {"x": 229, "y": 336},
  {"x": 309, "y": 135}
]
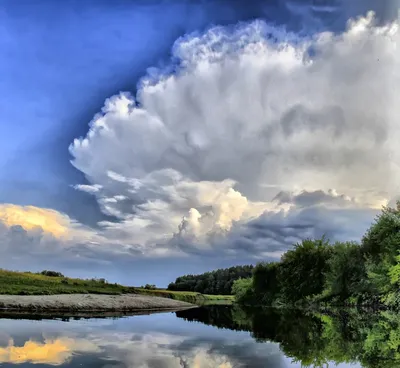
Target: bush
[
  {"x": 150, "y": 287},
  {"x": 52, "y": 273},
  {"x": 243, "y": 291}
]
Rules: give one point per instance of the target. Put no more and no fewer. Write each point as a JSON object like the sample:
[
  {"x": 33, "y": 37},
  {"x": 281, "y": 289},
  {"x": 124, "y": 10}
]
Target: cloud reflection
[{"x": 51, "y": 352}]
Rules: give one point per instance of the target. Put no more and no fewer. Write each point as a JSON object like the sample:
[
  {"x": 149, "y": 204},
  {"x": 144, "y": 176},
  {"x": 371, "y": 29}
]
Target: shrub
[
  {"x": 52, "y": 273},
  {"x": 243, "y": 291}
]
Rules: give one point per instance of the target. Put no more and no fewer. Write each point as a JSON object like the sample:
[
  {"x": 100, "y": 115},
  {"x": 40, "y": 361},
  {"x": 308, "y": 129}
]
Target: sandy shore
[{"x": 89, "y": 303}]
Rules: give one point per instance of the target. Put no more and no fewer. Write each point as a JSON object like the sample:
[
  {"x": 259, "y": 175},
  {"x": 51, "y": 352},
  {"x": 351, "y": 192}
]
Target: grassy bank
[
  {"x": 190, "y": 297},
  {"x": 26, "y": 283}
]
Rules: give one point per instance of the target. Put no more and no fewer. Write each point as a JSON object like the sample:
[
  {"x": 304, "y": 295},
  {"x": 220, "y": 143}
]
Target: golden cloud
[
  {"x": 30, "y": 217},
  {"x": 52, "y": 352}
]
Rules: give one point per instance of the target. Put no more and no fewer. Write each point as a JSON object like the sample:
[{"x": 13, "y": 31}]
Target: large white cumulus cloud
[{"x": 240, "y": 116}]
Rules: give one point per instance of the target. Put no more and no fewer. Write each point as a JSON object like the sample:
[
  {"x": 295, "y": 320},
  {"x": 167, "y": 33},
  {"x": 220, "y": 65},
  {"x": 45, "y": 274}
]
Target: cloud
[
  {"x": 169, "y": 350},
  {"x": 22, "y": 224},
  {"x": 211, "y": 146},
  {"x": 31, "y": 218},
  {"x": 270, "y": 235},
  {"x": 40, "y": 237},
  {"x": 51, "y": 352}
]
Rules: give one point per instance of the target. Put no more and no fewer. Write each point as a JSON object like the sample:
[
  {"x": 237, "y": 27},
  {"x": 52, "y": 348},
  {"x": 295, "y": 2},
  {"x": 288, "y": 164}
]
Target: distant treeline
[
  {"x": 218, "y": 282},
  {"x": 343, "y": 273}
]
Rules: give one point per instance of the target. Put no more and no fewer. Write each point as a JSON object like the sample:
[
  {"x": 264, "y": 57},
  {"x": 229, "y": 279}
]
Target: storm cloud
[{"x": 244, "y": 141}]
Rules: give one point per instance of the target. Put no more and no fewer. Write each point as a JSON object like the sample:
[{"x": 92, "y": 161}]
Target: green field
[
  {"x": 189, "y": 296},
  {"x": 27, "y": 283}
]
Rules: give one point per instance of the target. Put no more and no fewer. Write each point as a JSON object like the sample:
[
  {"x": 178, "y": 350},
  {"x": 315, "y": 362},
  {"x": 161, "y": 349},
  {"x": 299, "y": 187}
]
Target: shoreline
[
  {"x": 71, "y": 315},
  {"x": 88, "y": 303}
]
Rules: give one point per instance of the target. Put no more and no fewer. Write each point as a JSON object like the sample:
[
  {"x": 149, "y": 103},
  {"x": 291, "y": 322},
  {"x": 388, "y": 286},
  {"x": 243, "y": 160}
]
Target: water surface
[{"x": 209, "y": 337}]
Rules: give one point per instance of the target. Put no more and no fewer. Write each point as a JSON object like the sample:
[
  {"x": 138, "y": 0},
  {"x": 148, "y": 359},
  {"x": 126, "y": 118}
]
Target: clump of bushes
[
  {"x": 150, "y": 287},
  {"x": 51, "y": 273},
  {"x": 101, "y": 280}
]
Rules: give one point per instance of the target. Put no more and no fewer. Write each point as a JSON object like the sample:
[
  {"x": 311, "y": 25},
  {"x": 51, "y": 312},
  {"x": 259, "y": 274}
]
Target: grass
[
  {"x": 27, "y": 283},
  {"x": 189, "y": 296}
]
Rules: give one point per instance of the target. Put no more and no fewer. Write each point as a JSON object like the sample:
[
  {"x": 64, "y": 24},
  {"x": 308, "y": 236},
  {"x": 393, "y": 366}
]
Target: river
[{"x": 207, "y": 337}]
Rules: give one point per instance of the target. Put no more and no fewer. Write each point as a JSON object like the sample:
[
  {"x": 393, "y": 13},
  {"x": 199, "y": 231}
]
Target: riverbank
[
  {"x": 189, "y": 296},
  {"x": 31, "y": 284},
  {"x": 90, "y": 303}
]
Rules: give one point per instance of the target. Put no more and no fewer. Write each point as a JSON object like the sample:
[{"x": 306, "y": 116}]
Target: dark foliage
[
  {"x": 301, "y": 272},
  {"x": 218, "y": 282},
  {"x": 265, "y": 282},
  {"x": 150, "y": 287},
  {"x": 52, "y": 273}
]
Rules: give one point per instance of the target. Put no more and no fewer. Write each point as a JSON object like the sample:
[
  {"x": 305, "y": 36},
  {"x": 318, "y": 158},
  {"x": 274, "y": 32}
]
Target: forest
[
  {"x": 316, "y": 272},
  {"x": 218, "y": 282}
]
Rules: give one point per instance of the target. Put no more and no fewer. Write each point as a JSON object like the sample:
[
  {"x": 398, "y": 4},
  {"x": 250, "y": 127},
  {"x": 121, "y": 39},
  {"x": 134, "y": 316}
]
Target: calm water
[{"x": 218, "y": 337}]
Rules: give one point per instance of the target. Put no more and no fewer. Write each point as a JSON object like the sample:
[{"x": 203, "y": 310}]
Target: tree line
[
  {"x": 218, "y": 282},
  {"x": 343, "y": 273}
]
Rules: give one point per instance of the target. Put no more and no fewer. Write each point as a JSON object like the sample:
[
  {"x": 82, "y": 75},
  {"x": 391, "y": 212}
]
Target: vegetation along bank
[{"x": 318, "y": 273}]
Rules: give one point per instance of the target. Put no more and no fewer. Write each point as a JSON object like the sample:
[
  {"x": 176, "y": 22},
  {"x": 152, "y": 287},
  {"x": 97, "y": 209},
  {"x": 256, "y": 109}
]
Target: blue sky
[{"x": 61, "y": 60}]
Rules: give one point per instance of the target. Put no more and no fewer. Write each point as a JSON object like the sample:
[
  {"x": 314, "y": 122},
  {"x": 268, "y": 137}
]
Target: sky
[{"x": 143, "y": 140}]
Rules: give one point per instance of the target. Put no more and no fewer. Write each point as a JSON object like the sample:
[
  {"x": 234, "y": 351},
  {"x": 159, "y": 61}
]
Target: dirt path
[{"x": 89, "y": 303}]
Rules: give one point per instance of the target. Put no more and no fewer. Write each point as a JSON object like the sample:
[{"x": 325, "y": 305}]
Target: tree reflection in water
[{"x": 314, "y": 339}]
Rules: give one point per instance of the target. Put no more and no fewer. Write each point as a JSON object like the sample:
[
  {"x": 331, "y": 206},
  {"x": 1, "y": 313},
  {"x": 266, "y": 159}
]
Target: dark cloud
[
  {"x": 306, "y": 199},
  {"x": 279, "y": 232}
]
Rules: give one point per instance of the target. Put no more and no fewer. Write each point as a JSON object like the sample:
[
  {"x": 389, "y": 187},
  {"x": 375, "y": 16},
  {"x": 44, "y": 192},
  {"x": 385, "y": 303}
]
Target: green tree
[
  {"x": 302, "y": 270},
  {"x": 346, "y": 274},
  {"x": 265, "y": 282},
  {"x": 243, "y": 291},
  {"x": 383, "y": 237},
  {"x": 381, "y": 246}
]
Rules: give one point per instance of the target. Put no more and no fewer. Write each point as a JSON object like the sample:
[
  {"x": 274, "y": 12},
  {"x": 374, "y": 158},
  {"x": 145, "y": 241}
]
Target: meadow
[{"x": 28, "y": 283}]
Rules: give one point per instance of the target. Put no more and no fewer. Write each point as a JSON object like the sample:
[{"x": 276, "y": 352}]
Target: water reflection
[
  {"x": 50, "y": 352},
  {"x": 367, "y": 339},
  {"x": 153, "y": 341},
  {"x": 220, "y": 337}
]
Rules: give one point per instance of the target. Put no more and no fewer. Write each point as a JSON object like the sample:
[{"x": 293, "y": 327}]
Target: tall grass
[{"x": 26, "y": 283}]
